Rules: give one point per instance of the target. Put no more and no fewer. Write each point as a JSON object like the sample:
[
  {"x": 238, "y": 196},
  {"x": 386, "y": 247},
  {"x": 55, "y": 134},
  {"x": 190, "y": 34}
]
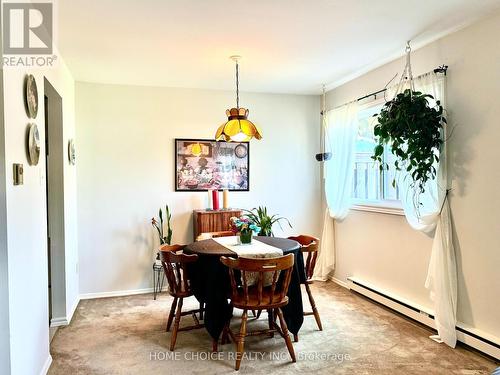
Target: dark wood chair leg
[
  {"x": 286, "y": 336},
  {"x": 258, "y": 314},
  {"x": 202, "y": 309},
  {"x": 225, "y": 335},
  {"x": 171, "y": 314},
  {"x": 241, "y": 340},
  {"x": 313, "y": 305},
  {"x": 270, "y": 319},
  {"x": 176, "y": 325}
]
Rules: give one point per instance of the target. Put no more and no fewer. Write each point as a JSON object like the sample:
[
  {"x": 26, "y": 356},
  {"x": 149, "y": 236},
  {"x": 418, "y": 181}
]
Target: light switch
[{"x": 18, "y": 174}]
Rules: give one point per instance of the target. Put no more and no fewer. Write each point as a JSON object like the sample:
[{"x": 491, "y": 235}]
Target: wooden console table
[{"x": 212, "y": 221}]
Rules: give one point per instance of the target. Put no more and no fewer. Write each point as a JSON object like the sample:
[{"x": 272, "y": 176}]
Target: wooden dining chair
[
  {"x": 174, "y": 265},
  {"x": 309, "y": 245},
  {"x": 208, "y": 235},
  {"x": 259, "y": 297}
]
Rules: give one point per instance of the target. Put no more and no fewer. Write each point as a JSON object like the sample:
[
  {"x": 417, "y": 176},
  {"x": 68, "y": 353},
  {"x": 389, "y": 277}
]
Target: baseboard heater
[{"x": 467, "y": 335}]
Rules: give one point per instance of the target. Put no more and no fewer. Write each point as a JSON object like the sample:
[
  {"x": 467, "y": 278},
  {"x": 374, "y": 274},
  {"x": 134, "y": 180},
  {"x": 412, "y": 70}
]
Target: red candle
[{"x": 215, "y": 199}]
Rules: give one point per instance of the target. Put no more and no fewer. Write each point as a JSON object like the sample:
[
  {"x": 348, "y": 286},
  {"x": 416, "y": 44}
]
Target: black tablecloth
[{"x": 211, "y": 284}]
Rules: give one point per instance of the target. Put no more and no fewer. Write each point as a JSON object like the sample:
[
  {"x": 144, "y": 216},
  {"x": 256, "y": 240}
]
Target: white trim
[
  {"x": 46, "y": 366},
  {"x": 65, "y": 320},
  {"x": 334, "y": 279},
  {"x": 119, "y": 293},
  {"x": 339, "y": 282},
  {"x": 73, "y": 309},
  {"x": 379, "y": 209},
  {"x": 58, "y": 322},
  {"x": 425, "y": 316}
]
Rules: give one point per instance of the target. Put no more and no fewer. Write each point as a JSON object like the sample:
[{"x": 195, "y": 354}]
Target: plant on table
[
  {"x": 265, "y": 221},
  {"x": 165, "y": 237},
  {"x": 245, "y": 227}
]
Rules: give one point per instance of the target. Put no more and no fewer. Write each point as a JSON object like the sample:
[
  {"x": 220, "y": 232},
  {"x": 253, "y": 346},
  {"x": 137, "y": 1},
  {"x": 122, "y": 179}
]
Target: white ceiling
[{"x": 288, "y": 46}]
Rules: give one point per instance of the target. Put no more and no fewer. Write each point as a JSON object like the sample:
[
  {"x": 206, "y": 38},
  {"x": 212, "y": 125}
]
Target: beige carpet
[{"x": 126, "y": 335}]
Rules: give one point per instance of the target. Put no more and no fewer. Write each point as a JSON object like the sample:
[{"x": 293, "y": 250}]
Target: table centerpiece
[{"x": 245, "y": 228}]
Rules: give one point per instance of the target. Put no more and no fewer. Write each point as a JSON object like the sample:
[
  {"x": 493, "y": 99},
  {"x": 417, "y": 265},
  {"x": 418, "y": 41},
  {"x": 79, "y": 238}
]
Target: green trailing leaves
[{"x": 412, "y": 129}]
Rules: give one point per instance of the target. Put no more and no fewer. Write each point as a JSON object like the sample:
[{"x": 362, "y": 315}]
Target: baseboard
[
  {"x": 475, "y": 338},
  {"x": 65, "y": 320},
  {"x": 73, "y": 309},
  {"x": 46, "y": 366},
  {"x": 58, "y": 322},
  {"x": 118, "y": 293},
  {"x": 339, "y": 282}
]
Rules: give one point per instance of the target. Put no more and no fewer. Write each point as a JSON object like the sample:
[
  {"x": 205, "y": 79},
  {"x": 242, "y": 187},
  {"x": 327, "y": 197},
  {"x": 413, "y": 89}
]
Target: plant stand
[{"x": 158, "y": 279}]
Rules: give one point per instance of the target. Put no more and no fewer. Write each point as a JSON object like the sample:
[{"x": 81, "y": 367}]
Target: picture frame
[
  {"x": 71, "y": 152},
  {"x": 31, "y": 96},
  {"x": 211, "y": 165},
  {"x": 33, "y": 143}
]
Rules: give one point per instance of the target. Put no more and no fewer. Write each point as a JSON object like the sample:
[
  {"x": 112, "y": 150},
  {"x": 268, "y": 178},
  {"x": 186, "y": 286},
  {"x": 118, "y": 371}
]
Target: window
[{"x": 372, "y": 188}]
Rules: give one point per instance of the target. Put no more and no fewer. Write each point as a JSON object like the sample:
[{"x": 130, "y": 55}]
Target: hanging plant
[{"x": 412, "y": 129}]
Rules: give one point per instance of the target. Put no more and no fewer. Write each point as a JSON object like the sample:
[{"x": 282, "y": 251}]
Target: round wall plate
[
  {"x": 31, "y": 96},
  {"x": 241, "y": 151},
  {"x": 71, "y": 152},
  {"x": 33, "y": 144}
]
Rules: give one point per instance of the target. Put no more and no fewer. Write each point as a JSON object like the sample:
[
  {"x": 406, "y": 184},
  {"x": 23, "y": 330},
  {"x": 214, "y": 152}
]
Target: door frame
[{"x": 55, "y": 158}]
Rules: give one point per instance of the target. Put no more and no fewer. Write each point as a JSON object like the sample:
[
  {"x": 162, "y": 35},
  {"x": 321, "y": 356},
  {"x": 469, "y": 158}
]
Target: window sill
[{"x": 379, "y": 209}]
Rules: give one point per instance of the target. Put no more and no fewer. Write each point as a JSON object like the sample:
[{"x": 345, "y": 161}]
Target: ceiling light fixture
[{"x": 237, "y": 128}]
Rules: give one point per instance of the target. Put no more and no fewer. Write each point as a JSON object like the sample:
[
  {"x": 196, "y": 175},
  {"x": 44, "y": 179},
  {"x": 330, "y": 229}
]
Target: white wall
[
  {"x": 26, "y": 221},
  {"x": 126, "y": 170},
  {"x": 383, "y": 249}
]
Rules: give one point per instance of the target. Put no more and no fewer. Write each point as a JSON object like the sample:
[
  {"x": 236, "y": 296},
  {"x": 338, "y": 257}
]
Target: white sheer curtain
[
  {"x": 430, "y": 212},
  {"x": 340, "y": 129}
]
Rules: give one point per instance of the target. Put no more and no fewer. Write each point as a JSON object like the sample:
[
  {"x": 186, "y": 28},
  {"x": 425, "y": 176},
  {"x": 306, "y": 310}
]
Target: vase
[{"x": 246, "y": 237}]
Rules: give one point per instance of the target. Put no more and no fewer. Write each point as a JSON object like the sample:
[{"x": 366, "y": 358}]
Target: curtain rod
[{"x": 440, "y": 69}]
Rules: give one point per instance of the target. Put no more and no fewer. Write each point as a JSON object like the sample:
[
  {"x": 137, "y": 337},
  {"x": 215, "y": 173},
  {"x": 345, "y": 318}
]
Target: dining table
[{"x": 210, "y": 282}]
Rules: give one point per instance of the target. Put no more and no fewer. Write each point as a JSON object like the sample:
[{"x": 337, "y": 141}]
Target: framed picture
[
  {"x": 202, "y": 164},
  {"x": 31, "y": 96}
]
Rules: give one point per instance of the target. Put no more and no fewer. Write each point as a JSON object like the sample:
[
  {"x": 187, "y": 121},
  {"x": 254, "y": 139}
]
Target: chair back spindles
[
  {"x": 175, "y": 268},
  {"x": 261, "y": 266},
  {"x": 309, "y": 245},
  {"x": 259, "y": 296}
]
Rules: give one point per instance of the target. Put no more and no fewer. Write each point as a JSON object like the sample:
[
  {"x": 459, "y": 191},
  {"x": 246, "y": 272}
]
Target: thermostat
[{"x": 18, "y": 174}]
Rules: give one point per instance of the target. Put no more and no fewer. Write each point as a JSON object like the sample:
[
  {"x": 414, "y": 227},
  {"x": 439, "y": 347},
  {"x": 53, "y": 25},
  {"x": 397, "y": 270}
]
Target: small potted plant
[
  {"x": 245, "y": 228},
  {"x": 158, "y": 225}
]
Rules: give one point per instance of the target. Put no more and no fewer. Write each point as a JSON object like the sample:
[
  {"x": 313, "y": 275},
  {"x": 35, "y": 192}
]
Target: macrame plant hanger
[{"x": 407, "y": 75}]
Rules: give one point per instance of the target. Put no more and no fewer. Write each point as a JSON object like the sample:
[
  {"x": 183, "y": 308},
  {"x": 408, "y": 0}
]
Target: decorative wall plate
[
  {"x": 31, "y": 96},
  {"x": 241, "y": 151},
  {"x": 33, "y": 144},
  {"x": 71, "y": 152}
]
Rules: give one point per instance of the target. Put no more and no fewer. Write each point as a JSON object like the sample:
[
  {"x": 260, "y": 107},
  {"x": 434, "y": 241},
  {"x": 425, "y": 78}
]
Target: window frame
[{"x": 386, "y": 206}]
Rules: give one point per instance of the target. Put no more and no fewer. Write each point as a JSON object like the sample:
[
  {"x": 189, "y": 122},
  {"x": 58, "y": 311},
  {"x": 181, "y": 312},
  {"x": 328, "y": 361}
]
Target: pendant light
[{"x": 237, "y": 128}]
